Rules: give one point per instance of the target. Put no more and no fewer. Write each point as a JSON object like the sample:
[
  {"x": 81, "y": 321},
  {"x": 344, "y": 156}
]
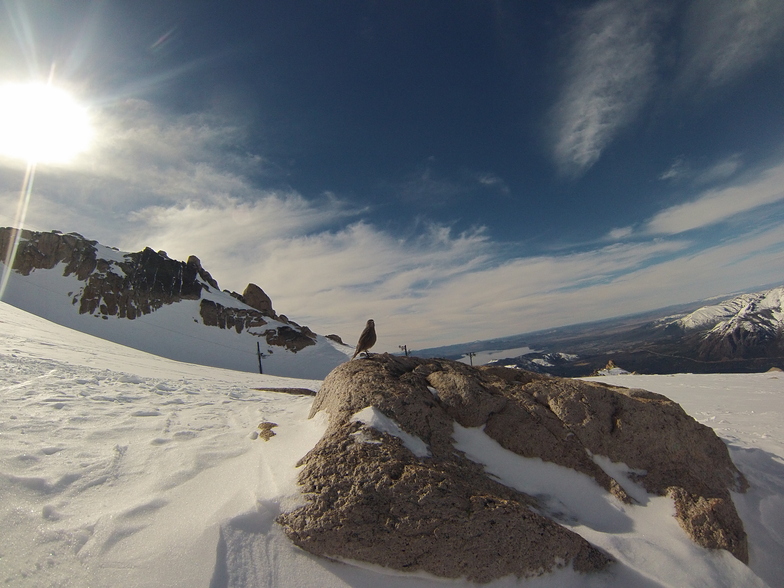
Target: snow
[
  {"x": 121, "y": 468},
  {"x": 541, "y": 362},
  {"x": 371, "y": 416},
  {"x": 615, "y": 371}
]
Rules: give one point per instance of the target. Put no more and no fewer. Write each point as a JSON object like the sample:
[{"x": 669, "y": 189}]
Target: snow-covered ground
[{"x": 119, "y": 468}]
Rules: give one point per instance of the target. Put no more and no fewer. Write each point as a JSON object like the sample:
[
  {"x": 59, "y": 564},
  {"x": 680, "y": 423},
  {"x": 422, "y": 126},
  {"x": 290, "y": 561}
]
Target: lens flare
[{"x": 41, "y": 123}]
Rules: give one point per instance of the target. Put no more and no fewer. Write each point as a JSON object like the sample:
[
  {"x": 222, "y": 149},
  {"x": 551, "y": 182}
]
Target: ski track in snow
[{"x": 119, "y": 468}]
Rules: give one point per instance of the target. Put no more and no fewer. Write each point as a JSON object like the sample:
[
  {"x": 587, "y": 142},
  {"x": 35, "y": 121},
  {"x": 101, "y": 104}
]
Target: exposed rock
[
  {"x": 336, "y": 339},
  {"x": 288, "y": 390},
  {"x": 371, "y": 498},
  {"x": 377, "y": 502},
  {"x": 649, "y": 432},
  {"x": 610, "y": 370},
  {"x": 265, "y": 430},
  {"x": 205, "y": 275},
  {"x": 302, "y": 328},
  {"x": 46, "y": 250},
  {"x": 289, "y": 338},
  {"x": 256, "y": 298},
  {"x": 144, "y": 283},
  {"x": 239, "y": 319}
]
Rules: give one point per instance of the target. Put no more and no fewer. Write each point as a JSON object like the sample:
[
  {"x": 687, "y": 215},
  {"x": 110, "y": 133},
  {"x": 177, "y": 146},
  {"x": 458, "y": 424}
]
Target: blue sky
[{"x": 457, "y": 170}]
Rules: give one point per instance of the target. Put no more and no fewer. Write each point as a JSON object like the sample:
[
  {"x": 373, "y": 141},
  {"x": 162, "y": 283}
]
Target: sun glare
[{"x": 40, "y": 123}]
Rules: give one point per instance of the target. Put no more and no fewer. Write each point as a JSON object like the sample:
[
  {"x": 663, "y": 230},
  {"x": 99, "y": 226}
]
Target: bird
[{"x": 367, "y": 339}]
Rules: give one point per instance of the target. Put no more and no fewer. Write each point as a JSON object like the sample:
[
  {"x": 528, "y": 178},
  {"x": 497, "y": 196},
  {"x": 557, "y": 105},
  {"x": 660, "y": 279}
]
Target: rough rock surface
[
  {"x": 370, "y": 498},
  {"x": 239, "y": 319},
  {"x": 256, "y": 298},
  {"x": 46, "y": 250}
]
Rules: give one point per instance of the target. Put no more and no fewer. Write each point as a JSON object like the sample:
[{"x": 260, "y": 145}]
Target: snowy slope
[
  {"x": 176, "y": 331},
  {"x": 745, "y": 307},
  {"x": 120, "y": 468}
]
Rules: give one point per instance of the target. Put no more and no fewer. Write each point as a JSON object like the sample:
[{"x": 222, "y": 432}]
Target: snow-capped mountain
[
  {"x": 744, "y": 333},
  {"x": 171, "y": 308},
  {"x": 747, "y": 326}
]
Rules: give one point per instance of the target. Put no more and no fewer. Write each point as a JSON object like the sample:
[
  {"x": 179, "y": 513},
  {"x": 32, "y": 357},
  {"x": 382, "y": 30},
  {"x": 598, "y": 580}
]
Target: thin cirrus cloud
[
  {"x": 725, "y": 38},
  {"x": 680, "y": 170},
  {"x": 610, "y": 75},
  {"x": 612, "y": 66},
  {"x": 717, "y": 205}
]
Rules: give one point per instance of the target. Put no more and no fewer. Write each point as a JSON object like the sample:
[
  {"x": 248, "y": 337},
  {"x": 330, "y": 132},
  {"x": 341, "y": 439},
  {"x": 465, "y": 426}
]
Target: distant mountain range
[
  {"x": 171, "y": 308},
  {"x": 744, "y": 333}
]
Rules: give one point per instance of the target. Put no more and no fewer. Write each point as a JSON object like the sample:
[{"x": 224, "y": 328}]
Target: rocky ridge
[
  {"x": 371, "y": 497},
  {"x": 130, "y": 285}
]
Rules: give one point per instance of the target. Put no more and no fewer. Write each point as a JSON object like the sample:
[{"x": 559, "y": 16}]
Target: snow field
[{"x": 120, "y": 468}]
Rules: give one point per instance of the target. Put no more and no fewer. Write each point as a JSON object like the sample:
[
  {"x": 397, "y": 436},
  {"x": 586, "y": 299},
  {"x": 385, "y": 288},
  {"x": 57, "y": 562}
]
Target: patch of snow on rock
[{"x": 374, "y": 418}]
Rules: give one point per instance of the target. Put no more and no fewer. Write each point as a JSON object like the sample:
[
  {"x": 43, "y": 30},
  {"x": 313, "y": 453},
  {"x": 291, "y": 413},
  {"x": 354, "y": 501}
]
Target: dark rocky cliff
[{"x": 131, "y": 285}]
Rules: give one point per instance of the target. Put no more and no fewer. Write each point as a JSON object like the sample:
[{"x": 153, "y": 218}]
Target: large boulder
[
  {"x": 386, "y": 485},
  {"x": 256, "y": 298}
]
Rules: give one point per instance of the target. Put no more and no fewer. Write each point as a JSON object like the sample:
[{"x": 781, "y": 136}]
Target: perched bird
[{"x": 367, "y": 339}]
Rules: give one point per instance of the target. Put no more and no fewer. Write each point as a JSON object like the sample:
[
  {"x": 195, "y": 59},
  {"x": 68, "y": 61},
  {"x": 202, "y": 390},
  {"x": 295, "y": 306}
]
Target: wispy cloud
[
  {"x": 725, "y": 38},
  {"x": 677, "y": 170},
  {"x": 493, "y": 181},
  {"x": 609, "y": 77},
  {"x": 680, "y": 170},
  {"x": 620, "y": 233},
  {"x": 717, "y": 205},
  {"x": 429, "y": 188},
  {"x": 723, "y": 170}
]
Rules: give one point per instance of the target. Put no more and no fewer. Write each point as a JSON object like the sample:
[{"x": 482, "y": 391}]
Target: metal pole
[{"x": 258, "y": 352}]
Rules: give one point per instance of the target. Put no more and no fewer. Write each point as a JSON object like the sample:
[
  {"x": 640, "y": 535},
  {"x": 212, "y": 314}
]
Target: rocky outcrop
[
  {"x": 144, "y": 283},
  {"x": 290, "y": 338},
  {"x": 134, "y": 284},
  {"x": 255, "y": 297},
  {"x": 139, "y": 284},
  {"x": 46, "y": 250},
  {"x": 371, "y": 497},
  {"x": 239, "y": 319}
]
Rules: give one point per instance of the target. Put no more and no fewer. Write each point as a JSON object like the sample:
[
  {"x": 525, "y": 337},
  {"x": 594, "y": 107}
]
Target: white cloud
[
  {"x": 718, "y": 205},
  {"x": 609, "y": 77},
  {"x": 720, "y": 171},
  {"x": 726, "y": 38},
  {"x": 620, "y": 233},
  {"x": 681, "y": 170},
  {"x": 493, "y": 181}
]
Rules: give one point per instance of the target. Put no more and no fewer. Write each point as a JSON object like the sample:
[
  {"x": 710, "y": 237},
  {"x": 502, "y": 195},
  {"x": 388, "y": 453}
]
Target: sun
[{"x": 40, "y": 123}]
